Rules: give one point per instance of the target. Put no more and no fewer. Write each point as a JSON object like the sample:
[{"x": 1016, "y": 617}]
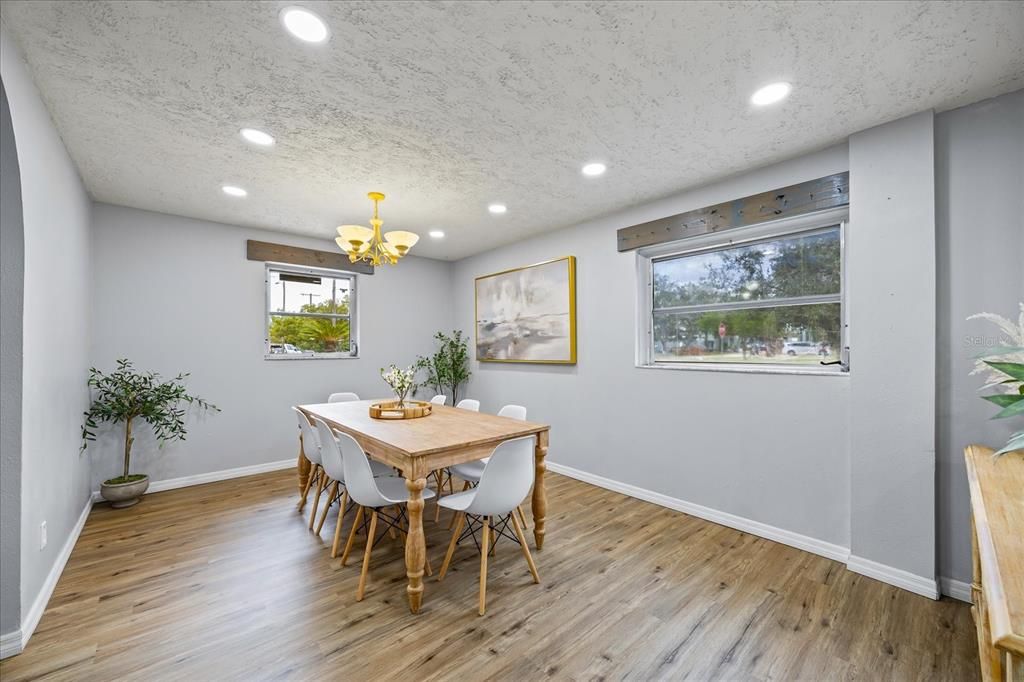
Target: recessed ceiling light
[
  {"x": 257, "y": 137},
  {"x": 304, "y": 25},
  {"x": 594, "y": 169},
  {"x": 497, "y": 208},
  {"x": 436, "y": 234},
  {"x": 233, "y": 191},
  {"x": 770, "y": 94}
]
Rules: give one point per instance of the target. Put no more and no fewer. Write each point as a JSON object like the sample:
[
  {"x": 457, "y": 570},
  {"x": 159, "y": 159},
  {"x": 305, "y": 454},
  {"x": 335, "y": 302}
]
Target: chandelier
[{"x": 366, "y": 244}]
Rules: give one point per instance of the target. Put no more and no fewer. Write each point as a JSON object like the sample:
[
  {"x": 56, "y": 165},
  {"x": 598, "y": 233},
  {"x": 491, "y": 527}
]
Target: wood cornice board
[
  {"x": 830, "y": 191},
  {"x": 296, "y": 255}
]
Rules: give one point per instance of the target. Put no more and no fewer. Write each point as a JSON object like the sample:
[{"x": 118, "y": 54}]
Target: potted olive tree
[
  {"x": 125, "y": 395},
  {"x": 447, "y": 369}
]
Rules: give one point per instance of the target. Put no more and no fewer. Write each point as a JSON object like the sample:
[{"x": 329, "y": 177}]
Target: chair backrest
[
  {"x": 310, "y": 442},
  {"x": 506, "y": 478},
  {"x": 469, "y": 404},
  {"x": 342, "y": 397},
  {"x": 513, "y": 411},
  {"x": 439, "y": 399},
  {"x": 330, "y": 453},
  {"x": 359, "y": 481}
]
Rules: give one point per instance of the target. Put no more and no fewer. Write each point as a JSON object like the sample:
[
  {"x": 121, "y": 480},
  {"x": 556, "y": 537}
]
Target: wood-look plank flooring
[{"x": 223, "y": 581}]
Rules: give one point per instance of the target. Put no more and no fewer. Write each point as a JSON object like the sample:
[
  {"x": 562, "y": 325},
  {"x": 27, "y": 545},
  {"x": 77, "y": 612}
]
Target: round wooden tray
[{"x": 389, "y": 409}]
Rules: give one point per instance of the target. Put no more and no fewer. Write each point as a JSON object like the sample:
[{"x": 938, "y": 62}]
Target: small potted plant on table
[{"x": 125, "y": 395}]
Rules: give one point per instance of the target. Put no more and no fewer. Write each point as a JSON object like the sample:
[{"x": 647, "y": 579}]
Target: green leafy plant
[
  {"x": 126, "y": 394},
  {"x": 447, "y": 370},
  {"x": 1004, "y": 371}
]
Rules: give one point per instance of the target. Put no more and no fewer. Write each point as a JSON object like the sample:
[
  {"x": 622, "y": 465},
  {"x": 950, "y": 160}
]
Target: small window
[
  {"x": 310, "y": 313},
  {"x": 772, "y": 299}
]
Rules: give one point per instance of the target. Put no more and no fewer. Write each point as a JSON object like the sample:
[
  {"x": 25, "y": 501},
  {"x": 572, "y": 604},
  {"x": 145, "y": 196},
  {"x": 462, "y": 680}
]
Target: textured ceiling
[{"x": 447, "y": 107}]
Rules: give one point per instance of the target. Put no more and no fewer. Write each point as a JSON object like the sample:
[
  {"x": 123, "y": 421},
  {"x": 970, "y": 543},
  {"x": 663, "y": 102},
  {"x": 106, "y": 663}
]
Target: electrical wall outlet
[{"x": 42, "y": 535}]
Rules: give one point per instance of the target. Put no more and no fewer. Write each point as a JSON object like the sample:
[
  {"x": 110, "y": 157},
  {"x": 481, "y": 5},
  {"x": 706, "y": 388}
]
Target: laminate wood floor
[{"x": 223, "y": 581}]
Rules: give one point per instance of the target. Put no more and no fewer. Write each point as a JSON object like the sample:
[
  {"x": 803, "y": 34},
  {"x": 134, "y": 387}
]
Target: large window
[
  {"x": 772, "y": 298},
  {"x": 310, "y": 313}
]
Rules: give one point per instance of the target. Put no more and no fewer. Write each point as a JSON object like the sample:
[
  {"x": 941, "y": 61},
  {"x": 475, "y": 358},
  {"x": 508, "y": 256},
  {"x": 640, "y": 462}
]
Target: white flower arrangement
[{"x": 401, "y": 381}]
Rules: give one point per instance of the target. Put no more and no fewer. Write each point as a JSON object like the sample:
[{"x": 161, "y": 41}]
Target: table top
[
  {"x": 997, "y": 502},
  {"x": 446, "y": 428}
]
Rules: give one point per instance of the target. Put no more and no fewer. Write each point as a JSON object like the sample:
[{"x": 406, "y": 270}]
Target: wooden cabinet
[{"x": 997, "y": 513}]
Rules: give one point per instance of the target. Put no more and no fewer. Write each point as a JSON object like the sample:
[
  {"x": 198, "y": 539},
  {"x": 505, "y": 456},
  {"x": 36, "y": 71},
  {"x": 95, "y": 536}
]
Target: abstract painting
[{"x": 528, "y": 314}]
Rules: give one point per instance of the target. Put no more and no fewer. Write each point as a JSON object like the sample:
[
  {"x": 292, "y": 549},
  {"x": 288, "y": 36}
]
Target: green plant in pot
[
  {"x": 1003, "y": 367},
  {"x": 447, "y": 370},
  {"x": 126, "y": 395}
]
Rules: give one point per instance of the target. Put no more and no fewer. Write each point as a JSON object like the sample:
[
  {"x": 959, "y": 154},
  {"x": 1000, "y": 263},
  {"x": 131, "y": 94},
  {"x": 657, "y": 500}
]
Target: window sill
[
  {"x": 310, "y": 356},
  {"x": 747, "y": 369}
]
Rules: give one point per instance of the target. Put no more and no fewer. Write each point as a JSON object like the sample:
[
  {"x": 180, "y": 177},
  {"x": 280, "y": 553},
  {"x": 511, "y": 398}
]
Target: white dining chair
[
  {"x": 470, "y": 472},
  {"x": 317, "y": 476},
  {"x": 372, "y": 496},
  {"x": 439, "y": 399},
  {"x": 444, "y": 476},
  {"x": 490, "y": 507},
  {"x": 343, "y": 397},
  {"x": 333, "y": 465},
  {"x": 336, "y": 474}
]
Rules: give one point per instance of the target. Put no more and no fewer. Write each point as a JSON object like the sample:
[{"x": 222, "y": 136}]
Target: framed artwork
[{"x": 528, "y": 314}]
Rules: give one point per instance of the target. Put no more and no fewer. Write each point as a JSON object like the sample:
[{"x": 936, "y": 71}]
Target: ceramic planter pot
[{"x": 121, "y": 495}]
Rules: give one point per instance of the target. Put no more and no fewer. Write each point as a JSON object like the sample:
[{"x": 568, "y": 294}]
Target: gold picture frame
[{"x": 535, "y": 334}]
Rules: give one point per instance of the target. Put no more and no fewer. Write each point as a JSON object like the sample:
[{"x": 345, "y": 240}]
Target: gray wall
[
  {"x": 890, "y": 277},
  {"x": 12, "y": 273},
  {"x": 175, "y": 294},
  {"x": 979, "y": 183},
  {"x": 55, "y": 206},
  {"x": 768, "y": 447}
]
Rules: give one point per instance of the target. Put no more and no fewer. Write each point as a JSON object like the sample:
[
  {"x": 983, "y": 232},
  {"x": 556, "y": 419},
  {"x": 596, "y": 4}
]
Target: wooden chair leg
[
  {"x": 316, "y": 500},
  {"x": 331, "y": 496},
  {"x": 459, "y": 519},
  {"x": 439, "y": 475},
  {"x": 465, "y": 487},
  {"x": 483, "y": 563},
  {"x": 366, "y": 555},
  {"x": 337, "y": 527},
  {"x": 526, "y": 550},
  {"x": 352, "y": 535},
  {"x": 522, "y": 517},
  {"x": 305, "y": 492},
  {"x": 392, "y": 533}
]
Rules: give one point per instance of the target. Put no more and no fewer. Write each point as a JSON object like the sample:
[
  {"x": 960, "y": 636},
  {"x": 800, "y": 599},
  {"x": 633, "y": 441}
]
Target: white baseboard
[
  {"x": 9, "y": 644},
  {"x": 887, "y": 574},
  {"x": 786, "y": 537},
  {"x": 918, "y": 584},
  {"x": 211, "y": 477},
  {"x": 957, "y": 589}
]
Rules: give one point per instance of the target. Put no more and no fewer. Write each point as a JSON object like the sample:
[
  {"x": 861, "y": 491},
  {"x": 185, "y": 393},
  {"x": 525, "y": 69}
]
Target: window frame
[
  {"x": 775, "y": 229},
  {"x": 353, "y": 312}
]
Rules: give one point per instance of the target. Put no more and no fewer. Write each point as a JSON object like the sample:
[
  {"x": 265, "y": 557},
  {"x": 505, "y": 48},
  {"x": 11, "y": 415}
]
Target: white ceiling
[{"x": 448, "y": 107}]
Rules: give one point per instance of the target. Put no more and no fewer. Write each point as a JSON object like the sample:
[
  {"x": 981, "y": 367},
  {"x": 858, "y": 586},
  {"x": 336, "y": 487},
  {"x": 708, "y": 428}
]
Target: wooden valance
[
  {"x": 830, "y": 191},
  {"x": 310, "y": 258}
]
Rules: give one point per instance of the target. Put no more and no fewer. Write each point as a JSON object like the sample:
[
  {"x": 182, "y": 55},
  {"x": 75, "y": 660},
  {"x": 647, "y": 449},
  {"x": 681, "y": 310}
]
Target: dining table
[{"x": 416, "y": 447}]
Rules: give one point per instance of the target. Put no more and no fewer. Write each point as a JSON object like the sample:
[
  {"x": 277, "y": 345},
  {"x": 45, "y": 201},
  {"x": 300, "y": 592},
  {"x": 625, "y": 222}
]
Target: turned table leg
[
  {"x": 540, "y": 497},
  {"x": 415, "y": 543}
]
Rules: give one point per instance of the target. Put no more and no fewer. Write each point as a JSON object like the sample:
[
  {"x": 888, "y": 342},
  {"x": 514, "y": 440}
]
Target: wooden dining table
[{"x": 447, "y": 436}]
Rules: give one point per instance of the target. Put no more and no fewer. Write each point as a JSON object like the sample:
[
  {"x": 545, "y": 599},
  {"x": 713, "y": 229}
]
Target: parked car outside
[{"x": 794, "y": 348}]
